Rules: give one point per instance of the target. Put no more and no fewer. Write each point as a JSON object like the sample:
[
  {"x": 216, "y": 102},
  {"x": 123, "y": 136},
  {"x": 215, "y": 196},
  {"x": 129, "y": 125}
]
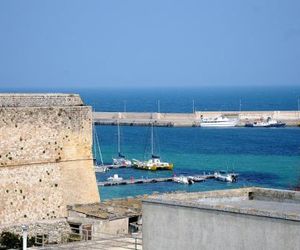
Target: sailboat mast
[
  {"x": 119, "y": 139},
  {"x": 152, "y": 141},
  {"x": 97, "y": 142}
]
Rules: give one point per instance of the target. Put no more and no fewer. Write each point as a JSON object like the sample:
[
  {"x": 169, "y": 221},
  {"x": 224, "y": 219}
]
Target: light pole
[
  {"x": 125, "y": 102},
  {"x": 158, "y": 106},
  {"x": 25, "y": 233},
  {"x": 193, "y": 106}
]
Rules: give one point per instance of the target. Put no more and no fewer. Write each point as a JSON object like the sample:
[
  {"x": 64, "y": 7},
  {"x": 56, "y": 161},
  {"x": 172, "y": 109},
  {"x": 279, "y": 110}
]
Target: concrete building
[
  {"x": 45, "y": 160},
  {"x": 249, "y": 218}
]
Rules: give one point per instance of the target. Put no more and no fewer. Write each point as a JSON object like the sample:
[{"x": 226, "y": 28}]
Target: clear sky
[{"x": 149, "y": 43}]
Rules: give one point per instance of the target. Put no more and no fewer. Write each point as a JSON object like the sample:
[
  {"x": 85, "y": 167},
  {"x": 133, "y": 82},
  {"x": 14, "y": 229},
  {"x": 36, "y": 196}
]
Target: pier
[
  {"x": 291, "y": 118},
  {"x": 149, "y": 180}
]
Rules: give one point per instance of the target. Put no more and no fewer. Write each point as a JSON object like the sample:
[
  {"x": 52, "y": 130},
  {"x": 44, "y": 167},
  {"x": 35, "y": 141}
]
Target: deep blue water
[{"x": 262, "y": 156}]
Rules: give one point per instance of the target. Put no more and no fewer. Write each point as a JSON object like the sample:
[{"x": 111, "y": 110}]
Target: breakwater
[{"x": 291, "y": 118}]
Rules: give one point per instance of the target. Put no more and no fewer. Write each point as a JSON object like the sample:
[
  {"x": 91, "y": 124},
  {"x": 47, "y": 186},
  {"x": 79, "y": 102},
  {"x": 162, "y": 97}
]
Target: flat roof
[
  {"x": 111, "y": 209},
  {"x": 274, "y": 203}
]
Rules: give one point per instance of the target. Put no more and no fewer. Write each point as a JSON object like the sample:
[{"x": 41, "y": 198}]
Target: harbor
[{"x": 290, "y": 118}]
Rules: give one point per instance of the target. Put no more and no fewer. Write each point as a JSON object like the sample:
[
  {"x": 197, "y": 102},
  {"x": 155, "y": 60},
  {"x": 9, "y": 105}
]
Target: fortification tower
[{"x": 45, "y": 157}]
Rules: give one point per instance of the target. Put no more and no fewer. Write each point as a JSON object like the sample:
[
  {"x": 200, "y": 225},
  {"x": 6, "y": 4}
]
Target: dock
[
  {"x": 149, "y": 180},
  {"x": 291, "y": 118}
]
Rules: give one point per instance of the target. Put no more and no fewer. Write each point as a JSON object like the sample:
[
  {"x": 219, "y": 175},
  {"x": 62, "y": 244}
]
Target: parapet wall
[
  {"x": 39, "y": 100},
  {"x": 45, "y": 157}
]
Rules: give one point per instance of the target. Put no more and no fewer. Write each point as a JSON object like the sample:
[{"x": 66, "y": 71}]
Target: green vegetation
[{"x": 10, "y": 240}]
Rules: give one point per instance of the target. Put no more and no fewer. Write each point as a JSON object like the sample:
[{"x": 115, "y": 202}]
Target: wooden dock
[{"x": 148, "y": 180}]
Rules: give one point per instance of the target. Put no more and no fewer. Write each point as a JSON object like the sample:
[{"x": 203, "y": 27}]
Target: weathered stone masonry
[{"x": 45, "y": 157}]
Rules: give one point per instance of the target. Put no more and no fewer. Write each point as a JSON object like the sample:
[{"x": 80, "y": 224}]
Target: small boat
[
  {"x": 221, "y": 121},
  {"x": 225, "y": 176},
  {"x": 274, "y": 123},
  {"x": 183, "y": 180},
  {"x": 196, "y": 178},
  {"x": 154, "y": 163},
  {"x": 100, "y": 168},
  {"x": 120, "y": 160},
  {"x": 269, "y": 123},
  {"x": 115, "y": 178}
]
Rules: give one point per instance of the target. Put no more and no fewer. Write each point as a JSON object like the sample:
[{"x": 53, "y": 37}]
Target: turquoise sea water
[
  {"x": 263, "y": 157},
  {"x": 267, "y": 157}
]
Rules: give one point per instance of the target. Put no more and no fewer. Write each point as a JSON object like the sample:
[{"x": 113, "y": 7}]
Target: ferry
[{"x": 220, "y": 121}]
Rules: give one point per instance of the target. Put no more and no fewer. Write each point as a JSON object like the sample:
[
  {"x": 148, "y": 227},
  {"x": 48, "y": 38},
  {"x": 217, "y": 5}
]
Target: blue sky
[{"x": 112, "y": 43}]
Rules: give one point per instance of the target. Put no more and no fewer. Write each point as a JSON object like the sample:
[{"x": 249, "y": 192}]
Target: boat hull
[
  {"x": 153, "y": 167},
  {"x": 218, "y": 124}
]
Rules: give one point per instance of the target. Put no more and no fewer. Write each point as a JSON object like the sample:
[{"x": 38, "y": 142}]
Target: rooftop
[
  {"x": 111, "y": 209},
  {"x": 273, "y": 203}
]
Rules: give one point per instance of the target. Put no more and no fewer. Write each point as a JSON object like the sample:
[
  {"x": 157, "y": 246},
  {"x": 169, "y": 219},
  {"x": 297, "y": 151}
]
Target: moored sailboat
[
  {"x": 154, "y": 163},
  {"x": 120, "y": 160}
]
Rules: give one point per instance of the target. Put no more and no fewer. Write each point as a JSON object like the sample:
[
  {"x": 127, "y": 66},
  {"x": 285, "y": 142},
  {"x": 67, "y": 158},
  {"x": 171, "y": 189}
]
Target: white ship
[{"x": 220, "y": 121}]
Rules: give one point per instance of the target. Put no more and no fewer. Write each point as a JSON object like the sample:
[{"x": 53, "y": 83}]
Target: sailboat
[
  {"x": 97, "y": 151},
  {"x": 120, "y": 160},
  {"x": 154, "y": 163}
]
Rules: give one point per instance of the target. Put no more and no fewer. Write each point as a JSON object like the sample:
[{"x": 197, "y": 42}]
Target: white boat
[
  {"x": 154, "y": 163},
  {"x": 224, "y": 176},
  {"x": 269, "y": 123},
  {"x": 196, "y": 178},
  {"x": 221, "y": 121},
  {"x": 120, "y": 160},
  {"x": 115, "y": 178},
  {"x": 100, "y": 168},
  {"x": 183, "y": 180}
]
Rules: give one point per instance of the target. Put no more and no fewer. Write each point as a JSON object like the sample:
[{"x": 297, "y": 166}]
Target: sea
[{"x": 263, "y": 157}]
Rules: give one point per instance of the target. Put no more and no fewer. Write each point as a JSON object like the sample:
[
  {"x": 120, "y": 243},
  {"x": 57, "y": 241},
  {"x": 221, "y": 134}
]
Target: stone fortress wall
[{"x": 45, "y": 157}]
